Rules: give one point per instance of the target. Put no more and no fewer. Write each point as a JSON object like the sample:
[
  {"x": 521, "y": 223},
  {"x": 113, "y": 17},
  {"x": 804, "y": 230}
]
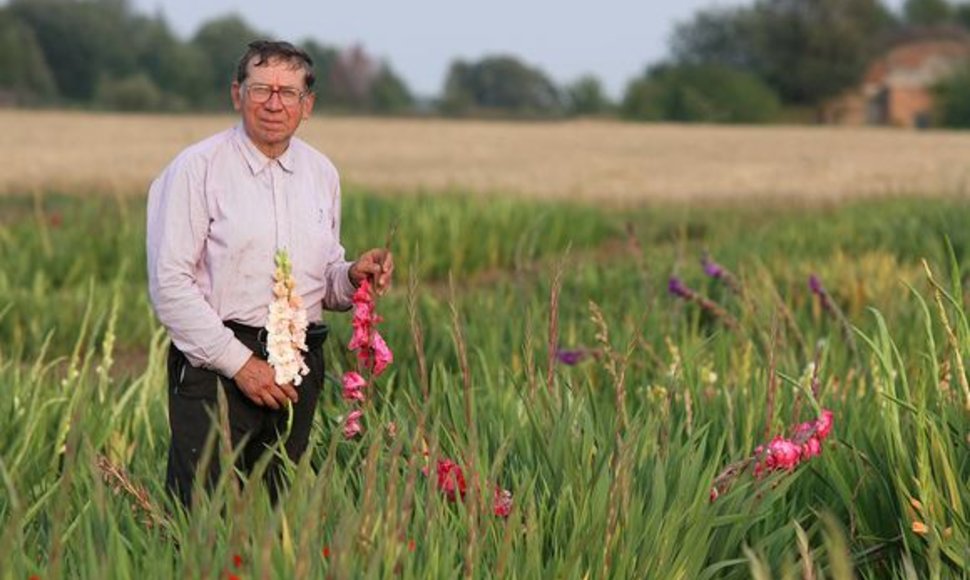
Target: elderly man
[{"x": 217, "y": 216}]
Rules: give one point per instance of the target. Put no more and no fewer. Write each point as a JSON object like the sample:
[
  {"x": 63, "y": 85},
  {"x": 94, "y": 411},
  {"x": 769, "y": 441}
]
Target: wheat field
[{"x": 584, "y": 159}]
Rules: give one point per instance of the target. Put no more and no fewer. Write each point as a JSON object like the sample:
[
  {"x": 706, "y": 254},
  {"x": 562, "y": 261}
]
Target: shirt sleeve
[
  {"x": 339, "y": 289},
  {"x": 178, "y": 223}
]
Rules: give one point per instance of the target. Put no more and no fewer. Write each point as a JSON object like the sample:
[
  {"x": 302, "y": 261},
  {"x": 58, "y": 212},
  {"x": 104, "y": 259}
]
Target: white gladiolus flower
[{"x": 286, "y": 327}]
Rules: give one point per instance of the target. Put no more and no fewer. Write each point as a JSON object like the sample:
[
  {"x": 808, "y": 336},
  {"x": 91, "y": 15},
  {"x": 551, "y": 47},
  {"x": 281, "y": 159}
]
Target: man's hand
[
  {"x": 376, "y": 264},
  {"x": 257, "y": 381}
]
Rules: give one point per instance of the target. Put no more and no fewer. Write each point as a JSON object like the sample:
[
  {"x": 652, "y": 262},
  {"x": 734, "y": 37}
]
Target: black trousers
[{"x": 253, "y": 429}]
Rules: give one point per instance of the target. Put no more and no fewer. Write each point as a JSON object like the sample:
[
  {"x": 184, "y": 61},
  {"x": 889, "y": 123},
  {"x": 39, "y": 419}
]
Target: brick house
[{"x": 897, "y": 87}]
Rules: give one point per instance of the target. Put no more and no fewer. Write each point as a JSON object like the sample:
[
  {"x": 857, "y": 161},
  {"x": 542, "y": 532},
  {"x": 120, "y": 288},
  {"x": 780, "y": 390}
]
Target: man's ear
[
  {"x": 236, "y": 93},
  {"x": 308, "y": 102}
]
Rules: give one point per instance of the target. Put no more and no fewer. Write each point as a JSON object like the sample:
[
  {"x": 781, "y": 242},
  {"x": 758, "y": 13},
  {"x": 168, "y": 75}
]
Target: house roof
[{"x": 918, "y": 62}]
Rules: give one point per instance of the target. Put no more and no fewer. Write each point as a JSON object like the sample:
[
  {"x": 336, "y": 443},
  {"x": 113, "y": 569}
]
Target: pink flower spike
[
  {"x": 363, "y": 294},
  {"x": 502, "y": 502},
  {"x": 783, "y": 454},
  {"x": 353, "y": 386},
  {"x": 451, "y": 480},
  {"x": 382, "y": 354},
  {"x": 811, "y": 448},
  {"x": 352, "y": 426},
  {"x": 361, "y": 337},
  {"x": 824, "y": 424}
]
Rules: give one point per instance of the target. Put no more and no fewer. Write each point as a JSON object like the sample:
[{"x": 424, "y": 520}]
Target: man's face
[{"x": 271, "y": 124}]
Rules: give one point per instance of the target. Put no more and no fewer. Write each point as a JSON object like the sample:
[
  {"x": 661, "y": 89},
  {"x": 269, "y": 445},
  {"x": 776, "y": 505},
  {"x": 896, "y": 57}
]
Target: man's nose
[{"x": 274, "y": 102}]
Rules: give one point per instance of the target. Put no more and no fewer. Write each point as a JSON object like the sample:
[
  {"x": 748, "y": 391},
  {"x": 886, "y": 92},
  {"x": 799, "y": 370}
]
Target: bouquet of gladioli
[{"x": 286, "y": 327}]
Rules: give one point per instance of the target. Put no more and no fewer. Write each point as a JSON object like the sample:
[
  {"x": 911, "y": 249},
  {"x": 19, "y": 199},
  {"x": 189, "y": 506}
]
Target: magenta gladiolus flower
[
  {"x": 502, "y": 502},
  {"x": 571, "y": 357},
  {"x": 815, "y": 285},
  {"x": 372, "y": 352},
  {"x": 784, "y": 453},
  {"x": 677, "y": 287},
  {"x": 451, "y": 480},
  {"x": 811, "y": 448},
  {"x": 352, "y": 427},
  {"x": 382, "y": 355},
  {"x": 824, "y": 424},
  {"x": 353, "y": 385},
  {"x": 712, "y": 268}
]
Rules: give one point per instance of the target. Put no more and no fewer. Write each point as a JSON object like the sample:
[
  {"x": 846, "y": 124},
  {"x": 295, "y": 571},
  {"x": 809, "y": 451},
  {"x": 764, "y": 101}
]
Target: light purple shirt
[{"x": 216, "y": 217}]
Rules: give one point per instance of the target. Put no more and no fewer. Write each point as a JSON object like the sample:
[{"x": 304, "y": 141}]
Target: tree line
[{"x": 769, "y": 60}]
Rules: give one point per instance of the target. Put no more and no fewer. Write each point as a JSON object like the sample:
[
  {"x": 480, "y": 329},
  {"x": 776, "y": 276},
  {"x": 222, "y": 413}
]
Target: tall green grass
[{"x": 610, "y": 464}]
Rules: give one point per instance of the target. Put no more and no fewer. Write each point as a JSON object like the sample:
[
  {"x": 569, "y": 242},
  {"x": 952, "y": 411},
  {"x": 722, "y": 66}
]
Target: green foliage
[
  {"x": 610, "y": 471},
  {"x": 585, "y": 96},
  {"x": 389, "y": 93},
  {"x": 223, "y": 41},
  {"x": 23, "y": 70},
  {"x": 182, "y": 71},
  {"x": 81, "y": 41},
  {"x": 927, "y": 12},
  {"x": 134, "y": 93},
  {"x": 700, "y": 93},
  {"x": 100, "y": 53},
  {"x": 806, "y": 50},
  {"x": 951, "y": 105},
  {"x": 500, "y": 85}
]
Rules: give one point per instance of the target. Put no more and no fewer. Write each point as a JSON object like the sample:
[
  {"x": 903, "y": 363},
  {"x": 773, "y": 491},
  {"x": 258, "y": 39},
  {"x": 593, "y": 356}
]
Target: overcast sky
[{"x": 612, "y": 39}]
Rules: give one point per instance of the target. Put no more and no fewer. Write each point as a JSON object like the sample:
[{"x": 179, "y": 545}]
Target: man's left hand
[{"x": 376, "y": 264}]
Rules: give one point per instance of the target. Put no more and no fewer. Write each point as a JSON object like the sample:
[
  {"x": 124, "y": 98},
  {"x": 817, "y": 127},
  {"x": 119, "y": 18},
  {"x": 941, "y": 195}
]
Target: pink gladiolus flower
[
  {"x": 353, "y": 386},
  {"x": 360, "y": 338},
  {"x": 362, "y": 294},
  {"x": 451, "y": 480},
  {"x": 382, "y": 355},
  {"x": 783, "y": 453},
  {"x": 352, "y": 427},
  {"x": 502, "y": 502},
  {"x": 824, "y": 424},
  {"x": 811, "y": 448}
]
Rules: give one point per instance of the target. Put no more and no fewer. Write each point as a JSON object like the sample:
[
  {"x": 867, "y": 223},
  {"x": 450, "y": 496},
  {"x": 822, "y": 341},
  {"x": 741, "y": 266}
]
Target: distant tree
[
  {"x": 585, "y": 96},
  {"x": 817, "y": 48},
  {"x": 951, "y": 105},
  {"x": 806, "y": 50},
  {"x": 389, "y": 93},
  {"x": 82, "y": 41},
  {"x": 223, "y": 41},
  {"x": 500, "y": 84},
  {"x": 133, "y": 93},
  {"x": 180, "y": 71},
  {"x": 719, "y": 36},
  {"x": 352, "y": 77},
  {"x": 700, "y": 93},
  {"x": 24, "y": 74},
  {"x": 961, "y": 14},
  {"x": 324, "y": 58},
  {"x": 927, "y": 12}
]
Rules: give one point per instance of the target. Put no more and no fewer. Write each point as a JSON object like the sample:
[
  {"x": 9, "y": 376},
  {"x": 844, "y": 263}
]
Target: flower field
[{"x": 658, "y": 391}]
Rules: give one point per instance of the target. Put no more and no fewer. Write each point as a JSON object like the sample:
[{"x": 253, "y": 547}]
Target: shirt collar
[{"x": 256, "y": 159}]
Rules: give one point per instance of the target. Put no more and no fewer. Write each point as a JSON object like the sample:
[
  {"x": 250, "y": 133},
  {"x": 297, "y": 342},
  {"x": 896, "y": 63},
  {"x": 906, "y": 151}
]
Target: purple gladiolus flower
[
  {"x": 571, "y": 357},
  {"x": 676, "y": 287},
  {"x": 815, "y": 285},
  {"x": 712, "y": 268}
]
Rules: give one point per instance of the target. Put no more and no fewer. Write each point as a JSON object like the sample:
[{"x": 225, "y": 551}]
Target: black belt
[{"x": 251, "y": 336}]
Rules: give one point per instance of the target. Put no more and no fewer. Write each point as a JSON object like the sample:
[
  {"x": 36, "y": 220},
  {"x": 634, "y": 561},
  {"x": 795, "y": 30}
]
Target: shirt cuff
[
  {"x": 343, "y": 288},
  {"x": 233, "y": 359}
]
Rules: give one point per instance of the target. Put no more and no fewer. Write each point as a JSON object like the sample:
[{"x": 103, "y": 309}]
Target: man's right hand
[{"x": 258, "y": 382}]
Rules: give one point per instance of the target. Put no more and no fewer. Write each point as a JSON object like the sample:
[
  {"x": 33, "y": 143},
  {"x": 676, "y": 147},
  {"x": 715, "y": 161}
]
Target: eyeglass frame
[{"x": 274, "y": 91}]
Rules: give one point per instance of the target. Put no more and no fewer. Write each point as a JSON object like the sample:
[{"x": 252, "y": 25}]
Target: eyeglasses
[{"x": 289, "y": 96}]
